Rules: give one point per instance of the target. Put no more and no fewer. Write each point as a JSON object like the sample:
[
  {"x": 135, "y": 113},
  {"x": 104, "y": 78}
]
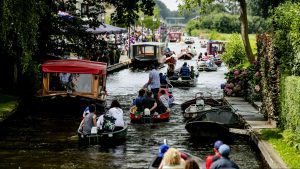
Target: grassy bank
[
  {"x": 7, "y": 104},
  {"x": 289, "y": 154}
]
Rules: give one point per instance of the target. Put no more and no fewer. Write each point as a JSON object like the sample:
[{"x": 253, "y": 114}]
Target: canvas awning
[{"x": 74, "y": 66}]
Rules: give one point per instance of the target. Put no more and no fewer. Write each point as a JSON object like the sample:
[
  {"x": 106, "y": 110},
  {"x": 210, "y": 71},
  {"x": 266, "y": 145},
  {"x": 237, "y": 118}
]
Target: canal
[{"x": 44, "y": 135}]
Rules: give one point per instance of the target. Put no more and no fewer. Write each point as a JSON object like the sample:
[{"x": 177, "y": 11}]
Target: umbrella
[{"x": 105, "y": 28}]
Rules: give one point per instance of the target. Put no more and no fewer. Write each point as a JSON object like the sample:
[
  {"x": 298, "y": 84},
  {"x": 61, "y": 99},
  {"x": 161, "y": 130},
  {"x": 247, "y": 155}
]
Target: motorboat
[{"x": 206, "y": 65}]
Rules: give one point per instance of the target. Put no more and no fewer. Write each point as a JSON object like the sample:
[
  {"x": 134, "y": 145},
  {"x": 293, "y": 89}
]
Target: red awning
[{"x": 74, "y": 66}]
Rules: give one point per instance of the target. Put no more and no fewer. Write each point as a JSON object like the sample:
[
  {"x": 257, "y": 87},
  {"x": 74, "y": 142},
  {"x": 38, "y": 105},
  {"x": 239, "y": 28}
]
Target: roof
[
  {"x": 74, "y": 66},
  {"x": 149, "y": 44}
]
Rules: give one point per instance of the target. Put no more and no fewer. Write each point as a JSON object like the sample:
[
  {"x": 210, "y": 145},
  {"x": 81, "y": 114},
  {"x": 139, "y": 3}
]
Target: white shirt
[
  {"x": 117, "y": 113},
  {"x": 165, "y": 100},
  {"x": 100, "y": 122}
]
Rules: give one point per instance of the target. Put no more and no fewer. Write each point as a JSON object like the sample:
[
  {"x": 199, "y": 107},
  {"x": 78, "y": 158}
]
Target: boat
[
  {"x": 189, "y": 40},
  {"x": 144, "y": 54},
  {"x": 174, "y": 36},
  {"x": 214, "y": 124},
  {"x": 75, "y": 79},
  {"x": 202, "y": 65},
  {"x": 140, "y": 117},
  {"x": 216, "y": 46},
  {"x": 218, "y": 61},
  {"x": 184, "y": 55},
  {"x": 103, "y": 137},
  {"x": 183, "y": 81},
  {"x": 208, "y": 100}
]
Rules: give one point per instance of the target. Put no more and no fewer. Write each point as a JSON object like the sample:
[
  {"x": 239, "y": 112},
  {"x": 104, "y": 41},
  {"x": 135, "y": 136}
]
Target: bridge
[{"x": 175, "y": 22}]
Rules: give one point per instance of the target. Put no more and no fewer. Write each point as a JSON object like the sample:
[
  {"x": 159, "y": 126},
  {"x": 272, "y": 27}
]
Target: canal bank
[
  {"x": 255, "y": 122},
  {"x": 124, "y": 62}
]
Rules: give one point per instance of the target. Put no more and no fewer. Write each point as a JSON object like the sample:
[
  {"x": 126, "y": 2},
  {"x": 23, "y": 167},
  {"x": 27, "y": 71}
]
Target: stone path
[{"x": 255, "y": 121}]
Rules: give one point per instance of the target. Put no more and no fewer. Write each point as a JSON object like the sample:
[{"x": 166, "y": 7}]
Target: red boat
[{"x": 175, "y": 36}]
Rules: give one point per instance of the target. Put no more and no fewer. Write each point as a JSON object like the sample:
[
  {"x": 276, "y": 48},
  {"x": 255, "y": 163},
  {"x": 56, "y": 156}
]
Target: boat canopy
[{"x": 74, "y": 66}]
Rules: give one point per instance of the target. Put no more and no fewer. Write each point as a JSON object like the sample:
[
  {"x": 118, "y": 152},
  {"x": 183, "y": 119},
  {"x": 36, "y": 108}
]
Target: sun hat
[
  {"x": 162, "y": 149},
  {"x": 218, "y": 144},
  {"x": 224, "y": 150}
]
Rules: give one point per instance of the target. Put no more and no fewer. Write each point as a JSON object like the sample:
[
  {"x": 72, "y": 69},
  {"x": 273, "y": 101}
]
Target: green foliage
[
  {"x": 290, "y": 101},
  {"x": 213, "y": 35},
  {"x": 287, "y": 36},
  {"x": 235, "y": 52},
  {"x": 289, "y": 154},
  {"x": 7, "y": 104}
]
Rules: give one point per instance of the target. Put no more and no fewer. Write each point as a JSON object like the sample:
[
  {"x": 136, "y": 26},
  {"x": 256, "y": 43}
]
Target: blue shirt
[
  {"x": 184, "y": 71},
  {"x": 154, "y": 79}
]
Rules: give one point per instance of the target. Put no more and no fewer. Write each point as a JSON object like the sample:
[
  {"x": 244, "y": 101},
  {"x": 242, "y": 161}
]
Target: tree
[{"x": 190, "y": 4}]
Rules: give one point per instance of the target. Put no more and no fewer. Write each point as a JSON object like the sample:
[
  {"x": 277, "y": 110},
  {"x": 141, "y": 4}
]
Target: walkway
[
  {"x": 123, "y": 62},
  {"x": 255, "y": 121}
]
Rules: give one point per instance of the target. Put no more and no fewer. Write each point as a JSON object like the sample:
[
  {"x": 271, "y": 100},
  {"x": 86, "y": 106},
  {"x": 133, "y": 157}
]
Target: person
[
  {"x": 116, "y": 112},
  {"x": 224, "y": 161},
  {"x": 163, "y": 80},
  {"x": 162, "y": 150},
  {"x": 191, "y": 164},
  {"x": 205, "y": 57},
  {"x": 154, "y": 81},
  {"x": 200, "y": 56},
  {"x": 184, "y": 71},
  {"x": 211, "y": 158},
  {"x": 138, "y": 101},
  {"x": 171, "y": 70},
  {"x": 149, "y": 102},
  {"x": 172, "y": 160},
  {"x": 192, "y": 74},
  {"x": 89, "y": 120},
  {"x": 164, "y": 98}
]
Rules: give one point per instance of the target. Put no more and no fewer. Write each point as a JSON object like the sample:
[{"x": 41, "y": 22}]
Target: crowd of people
[{"x": 172, "y": 158}]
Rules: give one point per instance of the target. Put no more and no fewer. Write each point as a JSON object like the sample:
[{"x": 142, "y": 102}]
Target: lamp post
[
  {"x": 154, "y": 20},
  {"x": 142, "y": 19}
]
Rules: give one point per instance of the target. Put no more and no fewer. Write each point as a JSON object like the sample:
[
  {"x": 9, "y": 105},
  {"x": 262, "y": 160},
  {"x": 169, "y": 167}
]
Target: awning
[
  {"x": 74, "y": 66},
  {"x": 105, "y": 28}
]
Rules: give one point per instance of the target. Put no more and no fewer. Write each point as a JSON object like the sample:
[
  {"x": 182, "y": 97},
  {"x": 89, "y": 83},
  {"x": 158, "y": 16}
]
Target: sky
[{"x": 171, "y": 4}]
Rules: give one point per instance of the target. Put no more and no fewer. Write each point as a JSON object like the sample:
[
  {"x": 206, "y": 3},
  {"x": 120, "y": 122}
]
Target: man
[
  {"x": 184, "y": 71},
  {"x": 154, "y": 81},
  {"x": 211, "y": 158},
  {"x": 149, "y": 102},
  {"x": 89, "y": 120},
  {"x": 224, "y": 161}
]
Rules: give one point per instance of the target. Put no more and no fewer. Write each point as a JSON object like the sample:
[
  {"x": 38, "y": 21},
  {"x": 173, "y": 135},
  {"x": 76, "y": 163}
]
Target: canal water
[{"x": 44, "y": 135}]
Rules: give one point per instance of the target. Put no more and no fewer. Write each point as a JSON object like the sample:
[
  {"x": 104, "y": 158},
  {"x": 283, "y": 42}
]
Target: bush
[{"x": 235, "y": 52}]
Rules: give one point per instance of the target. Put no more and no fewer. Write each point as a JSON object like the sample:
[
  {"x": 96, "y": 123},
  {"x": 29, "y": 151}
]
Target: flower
[
  {"x": 236, "y": 72},
  {"x": 257, "y": 88}
]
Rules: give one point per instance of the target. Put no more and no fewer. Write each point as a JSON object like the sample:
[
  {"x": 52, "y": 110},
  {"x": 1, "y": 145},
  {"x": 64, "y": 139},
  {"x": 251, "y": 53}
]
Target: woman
[
  {"x": 191, "y": 164},
  {"x": 89, "y": 120},
  {"x": 172, "y": 160},
  {"x": 116, "y": 112}
]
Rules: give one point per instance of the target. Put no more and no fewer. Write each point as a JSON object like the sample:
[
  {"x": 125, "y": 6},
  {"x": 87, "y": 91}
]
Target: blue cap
[
  {"x": 162, "y": 149},
  {"x": 224, "y": 150},
  {"x": 218, "y": 144}
]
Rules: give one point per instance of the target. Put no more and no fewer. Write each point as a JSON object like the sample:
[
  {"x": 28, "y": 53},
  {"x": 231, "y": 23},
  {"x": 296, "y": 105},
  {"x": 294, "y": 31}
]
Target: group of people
[
  {"x": 172, "y": 158},
  {"x": 112, "y": 120}
]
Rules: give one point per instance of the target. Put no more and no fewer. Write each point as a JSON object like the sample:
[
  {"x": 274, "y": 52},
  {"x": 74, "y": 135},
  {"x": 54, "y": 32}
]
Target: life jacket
[{"x": 210, "y": 159}]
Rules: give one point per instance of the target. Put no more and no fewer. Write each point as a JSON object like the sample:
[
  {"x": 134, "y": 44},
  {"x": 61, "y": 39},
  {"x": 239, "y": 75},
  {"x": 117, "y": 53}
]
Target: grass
[
  {"x": 289, "y": 154},
  {"x": 7, "y": 104}
]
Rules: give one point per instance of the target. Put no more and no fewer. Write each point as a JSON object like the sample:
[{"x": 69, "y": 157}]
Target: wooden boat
[
  {"x": 189, "y": 41},
  {"x": 218, "y": 61},
  {"x": 145, "y": 53},
  {"x": 174, "y": 36},
  {"x": 183, "y": 81},
  {"x": 214, "y": 124},
  {"x": 214, "y": 47},
  {"x": 103, "y": 137},
  {"x": 185, "y": 56},
  {"x": 202, "y": 65},
  {"x": 75, "y": 78},
  {"x": 208, "y": 100},
  {"x": 193, "y": 110}
]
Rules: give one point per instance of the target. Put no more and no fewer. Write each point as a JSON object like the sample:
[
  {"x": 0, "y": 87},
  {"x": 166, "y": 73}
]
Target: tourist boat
[
  {"x": 185, "y": 56},
  {"x": 202, "y": 65},
  {"x": 208, "y": 100},
  {"x": 189, "y": 40},
  {"x": 144, "y": 54},
  {"x": 103, "y": 137},
  {"x": 214, "y": 47},
  {"x": 174, "y": 36},
  {"x": 214, "y": 124},
  {"x": 75, "y": 78},
  {"x": 183, "y": 81}
]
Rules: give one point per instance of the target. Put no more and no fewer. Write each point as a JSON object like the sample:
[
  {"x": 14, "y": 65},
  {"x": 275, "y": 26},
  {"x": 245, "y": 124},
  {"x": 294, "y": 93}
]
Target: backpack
[{"x": 108, "y": 123}]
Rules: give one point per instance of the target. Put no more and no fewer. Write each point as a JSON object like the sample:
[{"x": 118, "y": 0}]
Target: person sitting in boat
[
  {"x": 162, "y": 150},
  {"x": 211, "y": 158},
  {"x": 224, "y": 161},
  {"x": 205, "y": 57},
  {"x": 172, "y": 160},
  {"x": 171, "y": 70},
  {"x": 163, "y": 79},
  {"x": 191, "y": 164},
  {"x": 138, "y": 101},
  {"x": 149, "y": 102},
  {"x": 89, "y": 120},
  {"x": 200, "y": 56},
  {"x": 192, "y": 72},
  {"x": 165, "y": 102},
  {"x": 184, "y": 70},
  {"x": 116, "y": 112}
]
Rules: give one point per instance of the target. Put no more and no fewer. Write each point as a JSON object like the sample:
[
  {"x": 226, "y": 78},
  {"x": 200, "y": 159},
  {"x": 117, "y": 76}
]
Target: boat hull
[
  {"x": 207, "y": 129},
  {"x": 139, "y": 118}
]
